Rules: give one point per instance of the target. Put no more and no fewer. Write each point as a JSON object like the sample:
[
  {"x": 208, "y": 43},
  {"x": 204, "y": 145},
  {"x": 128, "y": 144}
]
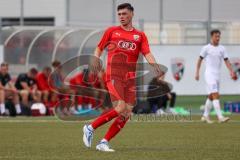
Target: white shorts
[{"x": 213, "y": 83}]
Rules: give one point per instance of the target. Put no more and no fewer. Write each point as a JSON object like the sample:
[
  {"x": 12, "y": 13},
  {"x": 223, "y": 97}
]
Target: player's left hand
[
  {"x": 157, "y": 70},
  {"x": 233, "y": 75}
]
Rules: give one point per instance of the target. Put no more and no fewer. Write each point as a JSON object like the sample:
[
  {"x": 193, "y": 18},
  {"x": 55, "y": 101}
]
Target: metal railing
[{"x": 38, "y": 46}]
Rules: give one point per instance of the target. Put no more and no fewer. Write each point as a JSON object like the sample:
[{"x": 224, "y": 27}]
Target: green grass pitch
[{"x": 46, "y": 138}]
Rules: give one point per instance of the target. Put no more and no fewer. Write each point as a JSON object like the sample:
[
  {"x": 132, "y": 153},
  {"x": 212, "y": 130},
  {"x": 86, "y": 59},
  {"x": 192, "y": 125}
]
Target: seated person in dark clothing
[
  {"x": 7, "y": 90},
  {"x": 27, "y": 87},
  {"x": 159, "y": 93}
]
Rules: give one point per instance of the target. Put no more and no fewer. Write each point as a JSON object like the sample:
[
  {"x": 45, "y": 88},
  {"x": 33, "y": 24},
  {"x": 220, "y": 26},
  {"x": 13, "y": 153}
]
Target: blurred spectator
[
  {"x": 159, "y": 95},
  {"x": 27, "y": 87},
  {"x": 49, "y": 98},
  {"x": 90, "y": 81},
  {"x": 57, "y": 85},
  {"x": 7, "y": 90},
  {"x": 57, "y": 80},
  {"x": 56, "y": 76}
]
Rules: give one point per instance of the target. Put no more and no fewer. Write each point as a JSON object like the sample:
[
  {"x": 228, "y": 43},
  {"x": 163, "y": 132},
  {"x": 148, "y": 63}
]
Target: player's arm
[
  {"x": 98, "y": 52},
  {"x": 149, "y": 56},
  {"x": 25, "y": 86},
  {"x": 229, "y": 67},
  {"x": 199, "y": 63},
  {"x": 95, "y": 62},
  {"x": 151, "y": 60},
  {"x": 1, "y": 86},
  {"x": 203, "y": 54},
  {"x": 11, "y": 87},
  {"x": 228, "y": 64}
]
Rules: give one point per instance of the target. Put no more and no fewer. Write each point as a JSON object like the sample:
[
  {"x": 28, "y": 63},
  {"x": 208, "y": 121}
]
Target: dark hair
[
  {"x": 47, "y": 68},
  {"x": 56, "y": 63},
  {"x": 125, "y": 5},
  {"x": 33, "y": 71},
  {"x": 215, "y": 31},
  {"x": 3, "y": 64}
]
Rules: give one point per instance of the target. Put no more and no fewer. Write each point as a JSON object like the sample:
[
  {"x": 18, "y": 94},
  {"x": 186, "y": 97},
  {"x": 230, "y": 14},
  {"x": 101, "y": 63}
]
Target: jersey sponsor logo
[
  {"x": 127, "y": 45},
  {"x": 177, "y": 67},
  {"x": 235, "y": 61}
]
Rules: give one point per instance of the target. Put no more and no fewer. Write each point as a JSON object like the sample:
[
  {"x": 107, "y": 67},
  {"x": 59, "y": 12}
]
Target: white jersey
[{"x": 213, "y": 56}]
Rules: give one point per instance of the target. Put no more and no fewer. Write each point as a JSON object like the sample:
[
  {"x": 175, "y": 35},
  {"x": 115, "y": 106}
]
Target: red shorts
[{"x": 122, "y": 90}]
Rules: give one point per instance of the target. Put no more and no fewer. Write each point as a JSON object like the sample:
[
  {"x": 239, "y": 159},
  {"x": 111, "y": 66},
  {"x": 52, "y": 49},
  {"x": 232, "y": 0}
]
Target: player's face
[
  {"x": 4, "y": 69},
  {"x": 125, "y": 16},
  {"x": 216, "y": 38},
  {"x": 47, "y": 72},
  {"x": 31, "y": 75}
]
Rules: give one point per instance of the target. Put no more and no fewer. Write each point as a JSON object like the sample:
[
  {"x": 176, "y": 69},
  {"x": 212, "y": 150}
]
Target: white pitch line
[{"x": 131, "y": 121}]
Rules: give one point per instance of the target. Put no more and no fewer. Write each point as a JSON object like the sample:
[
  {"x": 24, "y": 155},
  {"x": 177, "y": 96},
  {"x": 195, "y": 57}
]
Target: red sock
[
  {"x": 117, "y": 125},
  {"x": 104, "y": 118}
]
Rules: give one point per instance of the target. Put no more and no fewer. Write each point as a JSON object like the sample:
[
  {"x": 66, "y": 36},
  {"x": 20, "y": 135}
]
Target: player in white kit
[{"x": 213, "y": 54}]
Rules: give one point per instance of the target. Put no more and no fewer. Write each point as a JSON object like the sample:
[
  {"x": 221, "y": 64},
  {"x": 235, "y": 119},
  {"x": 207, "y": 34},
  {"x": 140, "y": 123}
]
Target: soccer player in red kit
[{"x": 124, "y": 44}]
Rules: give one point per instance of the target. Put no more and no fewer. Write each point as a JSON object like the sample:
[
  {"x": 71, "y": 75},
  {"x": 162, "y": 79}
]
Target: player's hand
[
  {"x": 157, "y": 70},
  {"x": 197, "y": 77},
  {"x": 169, "y": 95},
  {"x": 14, "y": 90},
  {"x": 95, "y": 65},
  {"x": 33, "y": 91},
  {"x": 233, "y": 75}
]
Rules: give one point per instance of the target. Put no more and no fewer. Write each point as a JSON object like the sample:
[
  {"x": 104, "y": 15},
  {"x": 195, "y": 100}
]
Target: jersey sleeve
[
  {"x": 203, "y": 52},
  {"x": 224, "y": 53},
  {"x": 105, "y": 39},
  {"x": 144, "y": 45}
]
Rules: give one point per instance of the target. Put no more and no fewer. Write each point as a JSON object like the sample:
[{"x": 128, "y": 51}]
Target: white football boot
[
  {"x": 87, "y": 136},
  {"x": 206, "y": 119},
  {"x": 104, "y": 147},
  {"x": 223, "y": 119}
]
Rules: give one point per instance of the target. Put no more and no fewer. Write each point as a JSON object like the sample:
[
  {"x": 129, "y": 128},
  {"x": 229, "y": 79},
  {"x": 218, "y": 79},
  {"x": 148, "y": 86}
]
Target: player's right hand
[
  {"x": 197, "y": 77},
  {"x": 95, "y": 64}
]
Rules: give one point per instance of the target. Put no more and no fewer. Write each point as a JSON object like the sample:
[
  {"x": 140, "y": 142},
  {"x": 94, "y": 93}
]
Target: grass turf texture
[
  {"x": 48, "y": 138},
  {"x": 196, "y": 101}
]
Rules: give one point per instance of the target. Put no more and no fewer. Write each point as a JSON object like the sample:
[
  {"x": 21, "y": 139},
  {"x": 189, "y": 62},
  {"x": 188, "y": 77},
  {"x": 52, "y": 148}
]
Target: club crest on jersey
[
  {"x": 236, "y": 66},
  {"x": 177, "y": 67},
  {"x": 136, "y": 37}
]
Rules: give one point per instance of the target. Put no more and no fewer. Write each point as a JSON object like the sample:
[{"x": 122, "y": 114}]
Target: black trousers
[{"x": 162, "y": 101}]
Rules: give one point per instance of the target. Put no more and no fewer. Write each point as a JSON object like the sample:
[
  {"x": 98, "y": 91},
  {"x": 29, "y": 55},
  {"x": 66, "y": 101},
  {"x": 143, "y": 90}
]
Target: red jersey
[
  {"x": 123, "y": 48},
  {"x": 42, "y": 82},
  {"x": 79, "y": 80}
]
